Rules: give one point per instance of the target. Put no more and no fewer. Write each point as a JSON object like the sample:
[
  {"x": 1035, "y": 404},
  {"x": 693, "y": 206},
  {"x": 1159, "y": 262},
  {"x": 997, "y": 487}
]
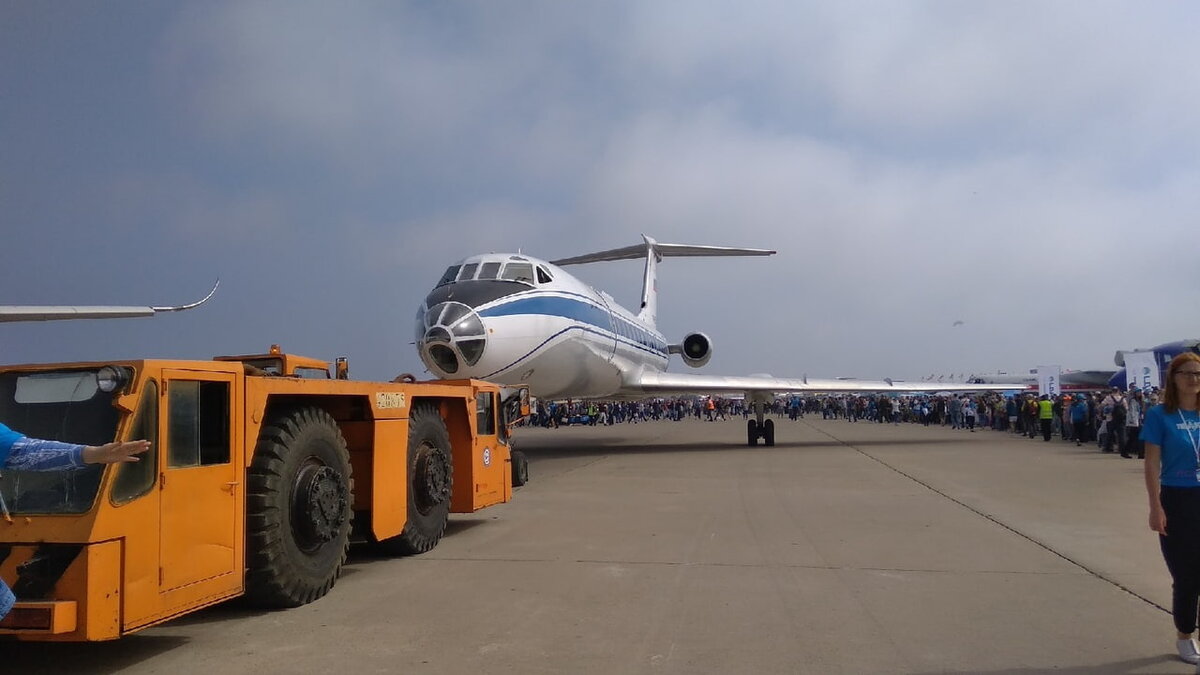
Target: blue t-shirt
[{"x": 1170, "y": 432}]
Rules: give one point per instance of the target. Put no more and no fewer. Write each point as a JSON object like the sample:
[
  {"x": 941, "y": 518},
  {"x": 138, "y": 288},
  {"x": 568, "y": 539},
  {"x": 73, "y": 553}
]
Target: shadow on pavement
[
  {"x": 549, "y": 447},
  {"x": 34, "y": 658}
]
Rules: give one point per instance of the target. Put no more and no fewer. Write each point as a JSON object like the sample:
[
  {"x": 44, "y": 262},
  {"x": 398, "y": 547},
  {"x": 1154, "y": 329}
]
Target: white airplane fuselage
[{"x": 514, "y": 319}]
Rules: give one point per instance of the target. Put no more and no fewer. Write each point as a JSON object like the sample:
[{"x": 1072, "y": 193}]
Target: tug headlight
[{"x": 112, "y": 378}]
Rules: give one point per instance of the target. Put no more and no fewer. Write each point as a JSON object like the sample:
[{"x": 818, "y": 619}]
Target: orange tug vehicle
[{"x": 260, "y": 469}]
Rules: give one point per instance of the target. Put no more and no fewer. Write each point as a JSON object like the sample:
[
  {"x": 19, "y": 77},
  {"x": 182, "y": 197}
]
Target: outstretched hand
[{"x": 112, "y": 453}]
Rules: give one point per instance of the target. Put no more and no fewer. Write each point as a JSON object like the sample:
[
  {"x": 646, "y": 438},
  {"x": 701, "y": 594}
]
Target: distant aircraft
[
  {"x": 1069, "y": 379},
  {"x": 64, "y": 312},
  {"x": 1162, "y": 356},
  {"x": 512, "y": 318}
]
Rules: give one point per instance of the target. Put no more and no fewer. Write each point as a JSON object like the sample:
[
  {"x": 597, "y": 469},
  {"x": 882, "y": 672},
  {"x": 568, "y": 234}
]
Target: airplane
[
  {"x": 1071, "y": 380},
  {"x": 14, "y": 313},
  {"x": 1162, "y": 356},
  {"x": 516, "y": 319}
]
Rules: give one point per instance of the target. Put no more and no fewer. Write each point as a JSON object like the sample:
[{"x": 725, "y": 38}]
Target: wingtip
[{"x": 199, "y": 302}]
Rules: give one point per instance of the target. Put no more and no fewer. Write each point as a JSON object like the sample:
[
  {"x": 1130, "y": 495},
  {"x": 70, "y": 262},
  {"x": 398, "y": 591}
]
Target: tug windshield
[{"x": 67, "y": 406}]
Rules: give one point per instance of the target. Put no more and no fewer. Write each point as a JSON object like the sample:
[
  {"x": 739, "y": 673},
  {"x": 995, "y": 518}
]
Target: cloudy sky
[{"x": 1030, "y": 169}]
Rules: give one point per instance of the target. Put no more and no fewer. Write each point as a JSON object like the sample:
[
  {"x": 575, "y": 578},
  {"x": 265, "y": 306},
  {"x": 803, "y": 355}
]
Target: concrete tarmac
[{"x": 670, "y": 547}]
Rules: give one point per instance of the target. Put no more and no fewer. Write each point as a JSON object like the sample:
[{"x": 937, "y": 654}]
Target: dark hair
[{"x": 1171, "y": 392}]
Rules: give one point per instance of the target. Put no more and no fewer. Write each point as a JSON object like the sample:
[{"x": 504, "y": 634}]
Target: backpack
[{"x": 1118, "y": 413}]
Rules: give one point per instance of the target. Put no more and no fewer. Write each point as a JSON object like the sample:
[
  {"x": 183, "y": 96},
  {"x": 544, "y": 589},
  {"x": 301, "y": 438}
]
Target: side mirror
[{"x": 516, "y": 404}]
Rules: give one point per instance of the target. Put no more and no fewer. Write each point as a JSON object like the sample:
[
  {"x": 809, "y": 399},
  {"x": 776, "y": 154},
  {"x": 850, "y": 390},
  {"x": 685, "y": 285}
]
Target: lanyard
[{"x": 1195, "y": 439}]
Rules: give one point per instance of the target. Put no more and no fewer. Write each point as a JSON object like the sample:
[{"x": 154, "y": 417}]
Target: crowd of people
[{"x": 1110, "y": 419}]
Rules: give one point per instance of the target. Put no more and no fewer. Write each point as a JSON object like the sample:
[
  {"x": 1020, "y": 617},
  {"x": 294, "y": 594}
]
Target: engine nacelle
[{"x": 695, "y": 350}]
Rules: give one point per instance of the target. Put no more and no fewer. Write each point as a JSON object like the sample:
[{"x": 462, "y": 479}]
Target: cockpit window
[
  {"x": 468, "y": 272},
  {"x": 450, "y": 275},
  {"x": 489, "y": 271},
  {"x": 519, "y": 272},
  {"x": 543, "y": 276}
]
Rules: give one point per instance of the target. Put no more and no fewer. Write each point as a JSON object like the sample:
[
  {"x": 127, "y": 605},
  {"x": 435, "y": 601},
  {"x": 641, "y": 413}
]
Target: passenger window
[
  {"x": 135, "y": 479},
  {"x": 489, "y": 270},
  {"x": 485, "y": 413},
  {"x": 197, "y": 423},
  {"x": 468, "y": 272},
  {"x": 543, "y": 276},
  {"x": 519, "y": 272}
]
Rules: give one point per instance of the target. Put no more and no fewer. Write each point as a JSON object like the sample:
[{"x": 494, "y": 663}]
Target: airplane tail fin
[{"x": 654, "y": 252}]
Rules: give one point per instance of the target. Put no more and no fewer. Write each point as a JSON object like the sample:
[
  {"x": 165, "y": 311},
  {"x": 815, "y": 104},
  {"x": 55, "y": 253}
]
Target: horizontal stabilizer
[{"x": 662, "y": 250}]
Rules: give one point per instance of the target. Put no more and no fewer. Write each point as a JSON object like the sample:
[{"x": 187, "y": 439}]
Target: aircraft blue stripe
[
  {"x": 583, "y": 312},
  {"x": 550, "y": 305}
]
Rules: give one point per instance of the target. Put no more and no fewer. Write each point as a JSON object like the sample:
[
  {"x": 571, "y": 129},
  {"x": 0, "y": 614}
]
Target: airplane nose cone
[{"x": 450, "y": 337}]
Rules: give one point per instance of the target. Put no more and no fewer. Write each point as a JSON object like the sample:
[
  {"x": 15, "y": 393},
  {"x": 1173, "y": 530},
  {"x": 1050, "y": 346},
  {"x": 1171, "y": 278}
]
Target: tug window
[
  {"x": 485, "y": 414},
  {"x": 135, "y": 479},
  {"x": 198, "y": 423}
]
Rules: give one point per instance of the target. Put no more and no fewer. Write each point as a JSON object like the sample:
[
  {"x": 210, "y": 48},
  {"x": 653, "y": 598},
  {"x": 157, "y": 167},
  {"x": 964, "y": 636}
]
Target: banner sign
[
  {"x": 1141, "y": 370},
  {"x": 1049, "y": 380}
]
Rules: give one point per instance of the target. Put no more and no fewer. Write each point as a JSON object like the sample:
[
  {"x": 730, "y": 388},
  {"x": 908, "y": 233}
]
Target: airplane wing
[
  {"x": 657, "y": 383},
  {"x": 62, "y": 312}
]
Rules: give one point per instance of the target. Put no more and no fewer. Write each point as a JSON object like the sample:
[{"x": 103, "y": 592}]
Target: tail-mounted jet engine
[{"x": 695, "y": 350}]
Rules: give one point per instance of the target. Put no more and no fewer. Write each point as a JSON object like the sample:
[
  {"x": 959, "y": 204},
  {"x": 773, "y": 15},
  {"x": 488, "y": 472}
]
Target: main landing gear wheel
[
  {"x": 298, "y": 509},
  {"x": 430, "y": 477},
  {"x": 756, "y": 430}
]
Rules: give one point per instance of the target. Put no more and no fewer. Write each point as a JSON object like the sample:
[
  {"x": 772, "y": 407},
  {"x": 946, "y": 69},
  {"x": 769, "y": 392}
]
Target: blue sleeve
[
  {"x": 31, "y": 454},
  {"x": 7, "y": 438},
  {"x": 7, "y": 599}
]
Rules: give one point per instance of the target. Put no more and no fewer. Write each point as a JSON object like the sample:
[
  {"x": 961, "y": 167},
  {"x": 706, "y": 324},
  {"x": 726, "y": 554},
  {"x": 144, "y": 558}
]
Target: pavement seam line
[{"x": 996, "y": 521}]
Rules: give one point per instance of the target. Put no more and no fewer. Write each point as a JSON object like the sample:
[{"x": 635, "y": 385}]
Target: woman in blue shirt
[
  {"x": 20, "y": 453},
  {"x": 1171, "y": 433}
]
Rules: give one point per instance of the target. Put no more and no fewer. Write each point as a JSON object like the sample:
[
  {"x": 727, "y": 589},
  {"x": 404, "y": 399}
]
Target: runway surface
[{"x": 670, "y": 547}]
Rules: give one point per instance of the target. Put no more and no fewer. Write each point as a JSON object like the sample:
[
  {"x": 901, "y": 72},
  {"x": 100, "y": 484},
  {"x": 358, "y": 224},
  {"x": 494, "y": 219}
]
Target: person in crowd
[
  {"x": 1045, "y": 416},
  {"x": 1171, "y": 434},
  {"x": 19, "y": 452},
  {"x": 1079, "y": 415},
  {"x": 1063, "y": 412},
  {"x": 1135, "y": 411},
  {"x": 968, "y": 413},
  {"x": 1116, "y": 423},
  {"x": 1031, "y": 416}
]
